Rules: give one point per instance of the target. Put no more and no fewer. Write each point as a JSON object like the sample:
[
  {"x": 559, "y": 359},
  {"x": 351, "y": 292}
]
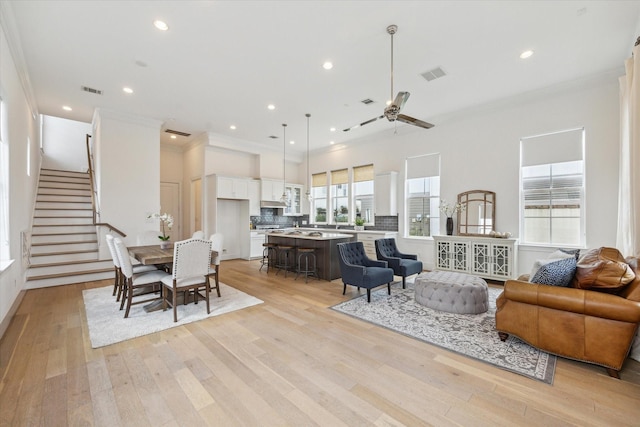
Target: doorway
[
  {"x": 196, "y": 206},
  {"x": 170, "y": 203}
]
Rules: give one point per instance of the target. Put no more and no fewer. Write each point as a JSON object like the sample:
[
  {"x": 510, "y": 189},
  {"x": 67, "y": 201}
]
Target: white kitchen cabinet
[
  {"x": 294, "y": 193},
  {"x": 369, "y": 238},
  {"x": 257, "y": 239},
  {"x": 233, "y": 188},
  {"x": 271, "y": 189},
  {"x": 254, "y": 197},
  {"x": 386, "y": 193},
  {"x": 486, "y": 257}
]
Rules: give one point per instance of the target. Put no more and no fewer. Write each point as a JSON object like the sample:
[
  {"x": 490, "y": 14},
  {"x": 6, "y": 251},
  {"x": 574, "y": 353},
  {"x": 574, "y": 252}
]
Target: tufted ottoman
[{"x": 453, "y": 292}]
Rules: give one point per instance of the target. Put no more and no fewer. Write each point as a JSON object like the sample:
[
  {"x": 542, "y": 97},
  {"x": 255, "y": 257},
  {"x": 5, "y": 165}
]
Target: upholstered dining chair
[
  {"x": 191, "y": 261},
  {"x": 402, "y": 264},
  {"x": 358, "y": 270},
  {"x": 118, "y": 282},
  {"x": 217, "y": 241},
  {"x": 138, "y": 283},
  {"x": 199, "y": 234}
]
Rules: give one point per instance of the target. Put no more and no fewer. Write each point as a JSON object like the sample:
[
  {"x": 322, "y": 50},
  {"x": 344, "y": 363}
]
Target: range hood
[{"x": 272, "y": 204}]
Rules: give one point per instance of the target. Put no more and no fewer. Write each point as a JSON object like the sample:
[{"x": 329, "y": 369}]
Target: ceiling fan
[{"x": 392, "y": 111}]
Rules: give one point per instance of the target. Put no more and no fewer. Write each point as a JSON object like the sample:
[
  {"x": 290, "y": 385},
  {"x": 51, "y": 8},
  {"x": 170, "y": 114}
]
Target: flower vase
[
  {"x": 165, "y": 244},
  {"x": 449, "y": 226}
]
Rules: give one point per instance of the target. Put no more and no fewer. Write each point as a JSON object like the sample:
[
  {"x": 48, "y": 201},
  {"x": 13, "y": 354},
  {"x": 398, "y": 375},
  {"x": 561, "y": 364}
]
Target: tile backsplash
[{"x": 273, "y": 216}]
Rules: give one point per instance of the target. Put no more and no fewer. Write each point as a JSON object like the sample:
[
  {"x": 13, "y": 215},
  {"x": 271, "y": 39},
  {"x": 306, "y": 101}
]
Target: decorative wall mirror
[{"x": 478, "y": 214}]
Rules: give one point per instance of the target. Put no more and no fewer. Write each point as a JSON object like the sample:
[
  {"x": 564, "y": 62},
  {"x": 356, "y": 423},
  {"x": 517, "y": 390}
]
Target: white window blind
[
  {"x": 423, "y": 166},
  {"x": 560, "y": 147}
]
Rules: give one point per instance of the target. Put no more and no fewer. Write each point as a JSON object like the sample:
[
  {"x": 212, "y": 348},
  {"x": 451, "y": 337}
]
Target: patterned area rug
[
  {"x": 107, "y": 324},
  {"x": 472, "y": 335}
]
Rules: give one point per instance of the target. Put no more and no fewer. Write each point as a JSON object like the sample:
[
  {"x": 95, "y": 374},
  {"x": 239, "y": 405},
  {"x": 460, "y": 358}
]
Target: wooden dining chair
[
  {"x": 217, "y": 241},
  {"x": 118, "y": 282},
  {"x": 191, "y": 260},
  {"x": 136, "y": 284}
]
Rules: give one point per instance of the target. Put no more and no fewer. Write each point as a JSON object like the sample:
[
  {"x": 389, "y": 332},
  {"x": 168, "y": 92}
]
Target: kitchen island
[{"x": 325, "y": 245}]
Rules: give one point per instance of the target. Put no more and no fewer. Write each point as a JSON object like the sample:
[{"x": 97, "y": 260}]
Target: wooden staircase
[{"x": 64, "y": 242}]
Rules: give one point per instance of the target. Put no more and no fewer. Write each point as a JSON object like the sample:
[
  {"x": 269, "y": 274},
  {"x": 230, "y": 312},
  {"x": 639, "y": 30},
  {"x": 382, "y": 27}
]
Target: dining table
[{"x": 160, "y": 256}]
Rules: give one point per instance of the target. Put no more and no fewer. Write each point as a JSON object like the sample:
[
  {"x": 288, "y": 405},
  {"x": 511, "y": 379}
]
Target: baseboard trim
[{"x": 4, "y": 325}]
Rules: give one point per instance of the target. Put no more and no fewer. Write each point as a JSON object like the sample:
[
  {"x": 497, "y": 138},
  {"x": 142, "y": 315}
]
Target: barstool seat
[
  {"x": 269, "y": 255},
  {"x": 284, "y": 253},
  {"x": 306, "y": 254}
]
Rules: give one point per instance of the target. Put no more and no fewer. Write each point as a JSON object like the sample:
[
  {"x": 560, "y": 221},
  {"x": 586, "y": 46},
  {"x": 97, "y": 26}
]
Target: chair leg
[
  {"x": 125, "y": 289},
  {"x": 129, "y": 298},
  {"x": 389, "y": 288},
  {"x": 344, "y": 289},
  {"x": 404, "y": 282},
  {"x": 218, "y": 279},
  {"x": 175, "y": 303},
  {"x": 206, "y": 295},
  {"x": 368, "y": 294},
  {"x": 116, "y": 282}
]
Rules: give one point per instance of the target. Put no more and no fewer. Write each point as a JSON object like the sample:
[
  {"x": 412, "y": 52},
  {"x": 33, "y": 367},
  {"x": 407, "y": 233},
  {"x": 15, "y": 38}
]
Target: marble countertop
[{"x": 308, "y": 234}]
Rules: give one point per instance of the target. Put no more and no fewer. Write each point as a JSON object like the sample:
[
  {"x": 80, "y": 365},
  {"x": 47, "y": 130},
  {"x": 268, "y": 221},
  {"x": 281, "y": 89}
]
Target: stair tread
[
  {"x": 74, "y": 242},
  {"x": 62, "y": 263},
  {"x": 66, "y": 253},
  {"x": 69, "y": 274},
  {"x": 62, "y": 234}
]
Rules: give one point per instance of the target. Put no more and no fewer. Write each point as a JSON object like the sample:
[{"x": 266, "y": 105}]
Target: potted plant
[
  {"x": 165, "y": 219},
  {"x": 359, "y": 224}
]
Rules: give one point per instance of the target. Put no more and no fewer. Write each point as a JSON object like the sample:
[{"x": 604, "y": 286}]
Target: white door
[
  {"x": 170, "y": 203},
  {"x": 196, "y": 206}
]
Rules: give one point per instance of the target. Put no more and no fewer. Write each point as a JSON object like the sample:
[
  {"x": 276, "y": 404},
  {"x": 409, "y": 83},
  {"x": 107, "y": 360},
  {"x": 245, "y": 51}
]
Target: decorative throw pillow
[
  {"x": 603, "y": 269},
  {"x": 554, "y": 256},
  {"x": 574, "y": 252},
  {"x": 556, "y": 273}
]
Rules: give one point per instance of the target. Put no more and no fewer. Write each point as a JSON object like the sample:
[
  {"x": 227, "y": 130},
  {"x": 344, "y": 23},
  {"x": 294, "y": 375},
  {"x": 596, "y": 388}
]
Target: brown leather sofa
[{"x": 584, "y": 325}]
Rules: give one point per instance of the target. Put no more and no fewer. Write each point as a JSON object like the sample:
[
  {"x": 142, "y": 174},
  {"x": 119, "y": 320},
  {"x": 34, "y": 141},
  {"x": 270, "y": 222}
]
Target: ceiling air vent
[
  {"x": 91, "y": 90},
  {"x": 367, "y": 101},
  {"x": 436, "y": 73},
  {"x": 273, "y": 137},
  {"x": 177, "y": 132}
]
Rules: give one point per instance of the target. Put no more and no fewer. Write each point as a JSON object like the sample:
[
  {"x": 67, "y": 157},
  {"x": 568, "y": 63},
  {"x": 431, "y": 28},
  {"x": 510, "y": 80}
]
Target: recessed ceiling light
[
  {"x": 292, "y": 142},
  {"x": 173, "y": 137},
  {"x": 161, "y": 25},
  {"x": 331, "y": 142},
  {"x": 127, "y": 90},
  {"x": 327, "y": 65},
  {"x": 526, "y": 54},
  {"x": 332, "y": 129},
  {"x": 232, "y": 127},
  {"x": 66, "y": 108},
  {"x": 271, "y": 107}
]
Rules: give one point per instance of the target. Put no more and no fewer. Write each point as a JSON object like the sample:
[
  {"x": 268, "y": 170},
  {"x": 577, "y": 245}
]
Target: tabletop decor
[
  {"x": 449, "y": 211},
  {"x": 166, "y": 220}
]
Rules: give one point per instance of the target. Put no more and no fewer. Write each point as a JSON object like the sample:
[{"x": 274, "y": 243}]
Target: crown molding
[{"x": 10, "y": 29}]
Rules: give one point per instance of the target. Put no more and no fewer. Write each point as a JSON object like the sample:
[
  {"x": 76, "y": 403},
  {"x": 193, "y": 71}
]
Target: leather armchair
[
  {"x": 584, "y": 325},
  {"x": 402, "y": 264},
  {"x": 358, "y": 270}
]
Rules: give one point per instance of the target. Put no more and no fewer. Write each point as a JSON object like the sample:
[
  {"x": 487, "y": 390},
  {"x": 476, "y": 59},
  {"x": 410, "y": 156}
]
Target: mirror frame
[{"x": 488, "y": 200}]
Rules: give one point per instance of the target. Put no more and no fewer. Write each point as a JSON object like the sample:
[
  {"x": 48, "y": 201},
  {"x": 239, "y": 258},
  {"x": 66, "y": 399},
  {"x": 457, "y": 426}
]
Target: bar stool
[
  {"x": 269, "y": 255},
  {"x": 306, "y": 254},
  {"x": 284, "y": 253}
]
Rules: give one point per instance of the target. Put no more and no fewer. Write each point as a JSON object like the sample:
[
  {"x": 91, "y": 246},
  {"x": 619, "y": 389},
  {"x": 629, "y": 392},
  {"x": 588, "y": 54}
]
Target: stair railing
[{"x": 94, "y": 199}]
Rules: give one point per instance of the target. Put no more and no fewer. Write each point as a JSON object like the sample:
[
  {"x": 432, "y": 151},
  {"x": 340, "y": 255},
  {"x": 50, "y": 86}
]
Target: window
[
  {"x": 363, "y": 192},
  {"x": 4, "y": 185},
  {"x": 423, "y": 196},
  {"x": 340, "y": 195},
  {"x": 319, "y": 193},
  {"x": 552, "y": 189}
]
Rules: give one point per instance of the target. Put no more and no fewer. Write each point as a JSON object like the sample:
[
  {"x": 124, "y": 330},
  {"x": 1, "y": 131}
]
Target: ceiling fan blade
[
  {"x": 362, "y": 124},
  {"x": 410, "y": 120},
  {"x": 401, "y": 99}
]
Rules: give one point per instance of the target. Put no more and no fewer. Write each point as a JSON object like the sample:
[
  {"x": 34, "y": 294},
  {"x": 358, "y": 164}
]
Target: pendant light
[
  {"x": 308, "y": 193},
  {"x": 284, "y": 199}
]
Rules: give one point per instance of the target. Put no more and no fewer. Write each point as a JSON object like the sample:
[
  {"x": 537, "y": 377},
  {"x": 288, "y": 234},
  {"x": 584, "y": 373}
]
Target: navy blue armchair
[
  {"x": 402, "y": 264},
  {"x": 358, "y": 270}
]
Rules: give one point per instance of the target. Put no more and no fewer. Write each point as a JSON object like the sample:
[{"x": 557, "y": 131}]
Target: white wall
[
  {"x": 127, "y": 157},
  {"x": 64, "y": 144},
  {"x": 480, "y": 150},
  {"x": 22, "y": 123}
]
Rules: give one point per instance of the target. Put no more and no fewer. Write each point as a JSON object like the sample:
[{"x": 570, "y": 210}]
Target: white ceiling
[{"x": 222, "y": 62}]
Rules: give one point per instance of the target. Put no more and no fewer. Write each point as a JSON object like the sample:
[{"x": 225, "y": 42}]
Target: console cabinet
[{"x": 486, "y": 257}]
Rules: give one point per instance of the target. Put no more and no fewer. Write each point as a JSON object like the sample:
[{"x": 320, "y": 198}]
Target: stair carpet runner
[{"x": 64, "y": 241}]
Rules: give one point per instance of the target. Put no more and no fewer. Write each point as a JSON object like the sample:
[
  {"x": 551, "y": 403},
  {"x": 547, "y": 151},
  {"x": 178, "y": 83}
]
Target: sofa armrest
[{"x": 590, "y": 303}]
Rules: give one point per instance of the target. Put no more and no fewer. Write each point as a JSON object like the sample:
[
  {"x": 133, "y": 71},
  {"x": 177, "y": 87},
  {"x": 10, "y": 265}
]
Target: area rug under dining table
[
  {"x": 107, "y": 324},
  {"x": 472, "y": 335}
]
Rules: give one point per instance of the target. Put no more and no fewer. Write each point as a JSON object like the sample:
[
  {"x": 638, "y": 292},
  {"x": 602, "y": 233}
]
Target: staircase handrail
[{"x": 93, "y": 194}]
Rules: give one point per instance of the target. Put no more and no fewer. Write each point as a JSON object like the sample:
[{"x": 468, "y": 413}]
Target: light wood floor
[{"x": 289, "y": 361}]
